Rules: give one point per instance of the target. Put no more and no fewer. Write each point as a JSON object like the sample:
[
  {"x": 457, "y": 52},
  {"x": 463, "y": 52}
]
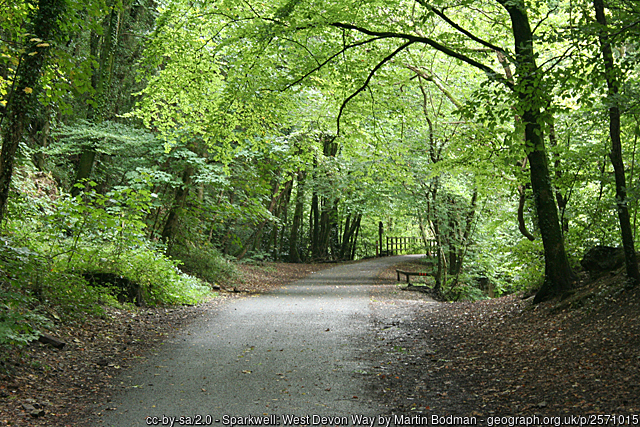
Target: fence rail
[{"x": 407, "y": 245}]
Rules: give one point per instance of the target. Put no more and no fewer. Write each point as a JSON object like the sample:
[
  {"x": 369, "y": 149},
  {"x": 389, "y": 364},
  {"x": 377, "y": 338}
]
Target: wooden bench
[{"x": 408, "y": 274}]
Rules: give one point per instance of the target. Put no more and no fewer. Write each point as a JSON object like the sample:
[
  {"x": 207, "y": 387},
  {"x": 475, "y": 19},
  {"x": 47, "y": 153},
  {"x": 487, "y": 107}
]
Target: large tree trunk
[
  {"x": 558, "y": 274},
  {"x": 22, "y": 103},
  {"x": 616, "y": 147}
]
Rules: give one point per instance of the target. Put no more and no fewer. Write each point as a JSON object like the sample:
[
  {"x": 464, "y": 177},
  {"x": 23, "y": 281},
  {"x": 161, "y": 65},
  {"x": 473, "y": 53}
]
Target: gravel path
[{"x": 298, "y": 351}]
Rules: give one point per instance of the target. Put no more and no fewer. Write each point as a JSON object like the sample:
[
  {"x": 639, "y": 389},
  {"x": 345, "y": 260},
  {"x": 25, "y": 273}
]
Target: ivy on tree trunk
[{"x": 22, "y": 105}]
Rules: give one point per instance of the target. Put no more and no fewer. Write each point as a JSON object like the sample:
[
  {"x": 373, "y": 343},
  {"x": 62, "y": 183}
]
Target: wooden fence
[{"x": 408, "y": 245}]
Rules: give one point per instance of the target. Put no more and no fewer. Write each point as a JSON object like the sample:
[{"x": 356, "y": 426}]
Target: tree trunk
[
  {"x": 22, "y": 103},
  {"x": 463, "y": 245},
  {"x": 171, "y": 225},
  {"x": 351, "y": 227},
  {"x": 101, "y": 82},
  {"x": 355, "y": 237},
  {"x": 616, "y": 147},
  {"x": 314, "y": 226},
  {"x": 294, "y": 254},
  {"x": 558, "y": 274},
  {"x": 256, "y": 237},
  {"x": 324, "y": 212}
]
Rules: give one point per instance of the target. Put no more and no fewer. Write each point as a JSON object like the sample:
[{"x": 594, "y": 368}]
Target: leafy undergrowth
[
  {"x": 508, "y": 357},
  {"x": 63, "y": 387}
]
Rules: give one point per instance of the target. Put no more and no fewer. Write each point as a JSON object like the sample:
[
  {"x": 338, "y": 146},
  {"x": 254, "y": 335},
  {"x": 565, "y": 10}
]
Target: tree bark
[
  {"x": 314, "y": 226},
  {"x": 349, "y": 236},
  {"x": 354, "y": 242},
  {"x": 294, "y": 254},
  {"x": 558, "y": 274},
  {"x": 171, "y": 225},
  {"x": 522, "y": 224},
  {"x": 324, "y": 212},
  {"x": 101, "y": 82},
  {"x": 22, "y": 103},
  {"x": 613, "y": 87}
]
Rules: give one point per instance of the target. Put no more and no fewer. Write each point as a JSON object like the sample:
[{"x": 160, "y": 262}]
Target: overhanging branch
[
  {"x": 431, "y": 78},
  {"x": 322, "y": 64},
  {"x": 366, "y": 82},
  {"x": 464, "y": 31},
  {"x": 492, "y": 74}
]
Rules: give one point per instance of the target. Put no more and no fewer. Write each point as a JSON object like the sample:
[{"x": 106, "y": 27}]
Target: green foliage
[
  {"x": 18, "y": 324},
  {"x": 160, "y": 280},
  {"x": 124, "y": 153},
  {"x": 104, "y": 233},
  {"x": 465, "y": 290},
  {"x": 205, "y": 262},
  {"x": 44, "y": 259}
]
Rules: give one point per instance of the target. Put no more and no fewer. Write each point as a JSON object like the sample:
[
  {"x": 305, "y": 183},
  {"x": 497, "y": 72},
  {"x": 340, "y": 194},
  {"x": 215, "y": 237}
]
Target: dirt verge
[{"x": 508, "y": 357}]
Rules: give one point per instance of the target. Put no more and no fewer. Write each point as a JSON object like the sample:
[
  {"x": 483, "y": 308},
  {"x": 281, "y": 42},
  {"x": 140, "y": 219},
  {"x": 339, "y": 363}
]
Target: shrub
[
  {"x": 18, "y": 323},
  {"x": 205, "y": 262}
]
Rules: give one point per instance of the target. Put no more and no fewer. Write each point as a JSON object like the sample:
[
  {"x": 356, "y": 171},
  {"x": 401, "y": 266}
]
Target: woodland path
[{"x": 298, "y": 350}]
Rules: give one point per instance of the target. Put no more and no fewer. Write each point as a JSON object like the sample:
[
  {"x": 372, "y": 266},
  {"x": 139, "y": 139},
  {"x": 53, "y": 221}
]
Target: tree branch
[
  {"x": 303, "y": 47},
  {"x": 257, "y": 15},
  {"x": 322, "y": 64},
  {"x": 429, "y": 77},
  {"x": 549, "y": 12},
  {"x": 467, "y": 33},
  {"x": 366, "y": 82},
  {"x": 492, "y": 74}
]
